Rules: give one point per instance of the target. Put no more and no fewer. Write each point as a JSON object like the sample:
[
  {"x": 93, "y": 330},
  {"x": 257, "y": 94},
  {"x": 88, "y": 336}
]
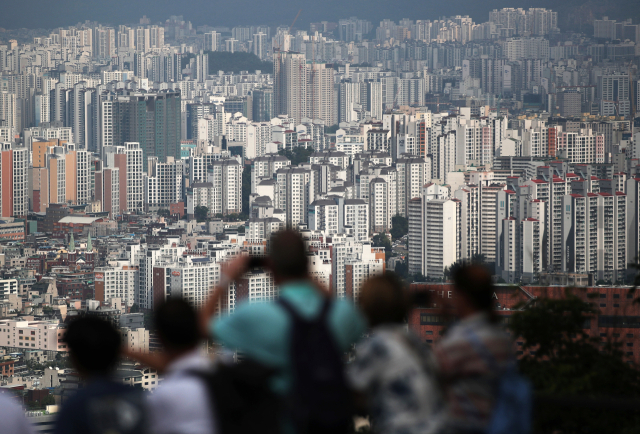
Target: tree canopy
[
  {"x": 236, "y": 62},
  {"x": 382, "y": 240},
  {"x": 297, "y": 155},
  {"x": 201, "y": 213},
  {"x": 561, "y": 359},
  {"x": 246, "y": 190},
  {"x": 399, "y": 226}
]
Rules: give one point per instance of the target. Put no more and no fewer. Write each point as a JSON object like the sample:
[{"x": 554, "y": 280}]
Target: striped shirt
[{"x": 469, "y": 380}]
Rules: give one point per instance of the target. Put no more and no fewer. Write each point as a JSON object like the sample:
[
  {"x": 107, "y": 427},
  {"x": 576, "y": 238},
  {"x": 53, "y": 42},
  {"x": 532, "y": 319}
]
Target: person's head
[
  {"x": 94, "y": 345},
  {"x": 384, "y": 300},
  {"x": 176, "y": 323},
  {"x": 288, "y": 257},
  {"x": 474, "y": 290}
]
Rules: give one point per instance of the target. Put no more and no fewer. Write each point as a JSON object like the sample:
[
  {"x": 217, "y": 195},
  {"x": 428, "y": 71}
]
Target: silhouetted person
[
  {"x": 181, "y": 404},
  {"x": 104, "y": 405},
  {"x": 473, "y": 354},
  {"x": 393, "y": 368},
  {"x": 299, "y": 336}
]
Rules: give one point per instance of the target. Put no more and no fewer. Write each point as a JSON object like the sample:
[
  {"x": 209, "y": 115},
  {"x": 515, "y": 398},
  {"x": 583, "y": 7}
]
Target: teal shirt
[{"x": 262, "y": 330}]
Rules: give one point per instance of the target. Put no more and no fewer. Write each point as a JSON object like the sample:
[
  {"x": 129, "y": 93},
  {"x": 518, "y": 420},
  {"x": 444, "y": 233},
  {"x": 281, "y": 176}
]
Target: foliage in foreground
[{"x": 561, "y": 359}]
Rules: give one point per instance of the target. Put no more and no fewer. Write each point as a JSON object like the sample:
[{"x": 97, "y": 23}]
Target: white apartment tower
[
  {"x": 211, "y": 41},
  {"x": 440, "y": 235}
]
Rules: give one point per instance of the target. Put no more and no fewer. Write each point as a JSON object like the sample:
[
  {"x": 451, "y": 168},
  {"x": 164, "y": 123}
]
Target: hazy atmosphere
[{"x": 320, "y": 217}]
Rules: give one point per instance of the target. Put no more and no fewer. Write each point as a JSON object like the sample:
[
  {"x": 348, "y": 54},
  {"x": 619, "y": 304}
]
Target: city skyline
[{"x": 138, "y": 159}]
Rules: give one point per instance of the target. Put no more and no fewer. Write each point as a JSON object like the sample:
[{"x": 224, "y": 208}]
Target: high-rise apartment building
[
  {"x": 290, "y": 85},
  {"x": 163, "y": 184},
  {"x": 221, "y": 191},
  {"x": 128, "y": 160},
  {"x": 260, "y": 45},
  {"x": 303, "y": 89},
  {"x": 295, "y": 191},
  {"x": 594, "y": 235},
  {"x": 262, "y": 104},
  {"x": 613, "y": 90},
  {"x": 440, "y": 236},
  {"x": 211, "y": 41},
  {"x": 150, "y": 119},
  {"x": 14, "y": 193}
]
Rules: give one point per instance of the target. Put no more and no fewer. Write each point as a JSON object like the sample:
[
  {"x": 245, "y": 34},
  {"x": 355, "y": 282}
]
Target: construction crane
[
  {"x": 294, "y": 20},
  {"x": 290, "y": 27},
  {"x": 615, "y": 104},
  {"x": 633, "y": 95}
]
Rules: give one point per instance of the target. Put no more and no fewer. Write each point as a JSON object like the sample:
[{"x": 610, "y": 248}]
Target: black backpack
[
  {"x": 242, "y": 398},
  {"x": 320, "y": 400}
]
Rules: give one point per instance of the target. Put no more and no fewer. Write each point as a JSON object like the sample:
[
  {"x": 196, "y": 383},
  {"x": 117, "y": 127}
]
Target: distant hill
[
  {"x": 573, "y": 14},
  {"x": 236, "y": 62}
]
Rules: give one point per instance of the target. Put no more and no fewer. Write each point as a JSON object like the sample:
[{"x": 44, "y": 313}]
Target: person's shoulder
[
  {"x": 254, "y": 313},
  {"x": 347, "y": 323},
  {"x": 344, "y": 308}
]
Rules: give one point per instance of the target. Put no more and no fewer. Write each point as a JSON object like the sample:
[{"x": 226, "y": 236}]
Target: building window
[
  {"x": 426, "y": 319},
  {"x": 619, "y": 321}
]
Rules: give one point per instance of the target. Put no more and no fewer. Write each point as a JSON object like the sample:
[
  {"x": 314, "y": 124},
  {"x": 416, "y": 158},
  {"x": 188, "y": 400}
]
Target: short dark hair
[
  {"x": 94, "y": 344},
  {"x": 288, "y": 255},
  {"x": 384, "y": 300},
  {"x": 177, "y": 324},
  {"x": 474, "y": 281}
]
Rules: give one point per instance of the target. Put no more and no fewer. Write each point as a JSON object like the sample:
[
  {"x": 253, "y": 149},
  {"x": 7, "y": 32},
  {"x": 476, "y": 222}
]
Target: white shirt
[
  {"x": 12, "y": 417},
  {"x": 181, "y": 403}
]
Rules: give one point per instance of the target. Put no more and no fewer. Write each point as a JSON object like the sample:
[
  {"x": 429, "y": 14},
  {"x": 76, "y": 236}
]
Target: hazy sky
[{"x": 56, "y": 13}]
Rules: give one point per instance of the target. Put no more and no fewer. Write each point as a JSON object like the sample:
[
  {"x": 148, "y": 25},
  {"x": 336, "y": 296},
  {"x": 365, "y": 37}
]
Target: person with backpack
[
  {"x": 104, "y": 405},
  {"x": 476, "y": 364},
  {"x": 302, "y": 338},
  {"x": 393, "y": 369}
]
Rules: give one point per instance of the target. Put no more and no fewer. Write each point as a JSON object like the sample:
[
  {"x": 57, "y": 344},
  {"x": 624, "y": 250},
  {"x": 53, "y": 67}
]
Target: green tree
[
  {"x": 331, "y": 129},
  {"x": 402, "y": 269},
  {"x": 134, "y": 308},
  {"x": 186, "y": 57},
  {"x": 48, "y": 400},
  {"x": 297, "y": 155},
  {"x": 164, "y": 212},
  {"x": 382, "y": 240},
  {"x": 236, "y": 62},
  {"x": 246, "y": 190},
  {"x": 399, "y": 226},
  {"x": 562, "y": 360},
  {"x": 478, "y": 258},
  {"x": 201, "y": 213}
]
